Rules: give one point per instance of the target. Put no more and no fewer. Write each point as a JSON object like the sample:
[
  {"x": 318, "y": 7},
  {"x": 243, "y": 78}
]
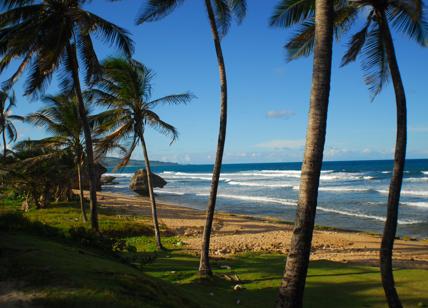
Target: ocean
[{"x": 352, "y": 194}]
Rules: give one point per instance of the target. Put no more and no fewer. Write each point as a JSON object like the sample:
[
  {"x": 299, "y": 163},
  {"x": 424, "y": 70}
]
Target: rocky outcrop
[
  {"x": 139, "y": 182},
  {"x": 107, "y": 180}
]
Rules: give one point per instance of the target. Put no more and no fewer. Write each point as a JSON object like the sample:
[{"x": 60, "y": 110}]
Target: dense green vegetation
[{"x": 43, "y": 259}]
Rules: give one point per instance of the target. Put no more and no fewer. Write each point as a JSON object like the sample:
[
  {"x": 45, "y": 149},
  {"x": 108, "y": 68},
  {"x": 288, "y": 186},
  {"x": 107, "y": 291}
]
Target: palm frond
[
  {"x": 153, "y": 120},
  {"x": 356, "y": 44},
  {"x": 291, "y": 12},
  {"x": 302, "y": 43},
  {"x": 375, "y": 62},
  {"x": 409, "y": 17},
  {"x": 157, "y": 9},
  {"x": 175, "y": 99}
]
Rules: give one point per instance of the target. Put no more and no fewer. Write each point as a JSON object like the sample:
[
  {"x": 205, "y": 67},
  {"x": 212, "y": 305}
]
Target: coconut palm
[
  {"x": 375, "y": 45},
  {"x": 48, "y": 36},
  {"x": 7, "y": 102},
  {"x": 220, "y": 14},
  {"x": 61, "y": 118},
  {"x": 286, "y": 14},
  {"x": 125, "y": 88}
]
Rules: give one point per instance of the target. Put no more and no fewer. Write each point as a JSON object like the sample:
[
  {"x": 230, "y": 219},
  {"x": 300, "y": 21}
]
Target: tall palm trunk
[
  {"x": 71, "y": 50},
  {"x": 151, "y": 194},
  {"x": 82, "y": 199},
  {"x": 293, "y": 282},
  {"x": 4, "y": 143},
  {"x": 204, "y": 264},
  {"x": 397, "y": 173}
]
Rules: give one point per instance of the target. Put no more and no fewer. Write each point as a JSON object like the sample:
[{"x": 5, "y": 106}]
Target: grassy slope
[
  {"x": 83, "y": 278},
  {"x": 63, "y": 275}
]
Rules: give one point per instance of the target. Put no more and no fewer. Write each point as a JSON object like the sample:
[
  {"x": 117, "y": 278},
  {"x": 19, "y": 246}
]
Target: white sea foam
[
  {"x": 258, "y": 184},
  {"x": 418, "y": 193},
  {"x": 343, "y": 189},
  {"x": 345, "y": 176},
  {"x": 417, "y": 204},
  {"x": 115, "y": 186},
  {"x": 255, "y": 199},
  {"x": 416, "y": 180},
  {"x": 166, "y": 192},
  {"x": 119, "y": 175},
  {"x": 425, "y": 172},
  {"x": 361, "y": 215}
]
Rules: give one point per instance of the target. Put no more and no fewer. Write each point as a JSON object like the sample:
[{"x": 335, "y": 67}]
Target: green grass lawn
[{"x": 69, "y": 275}]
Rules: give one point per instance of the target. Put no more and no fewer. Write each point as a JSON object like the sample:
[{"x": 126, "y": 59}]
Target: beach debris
[
  {"x": 237, "y": 287},
  {"x": 225, "y": 267},
  {"x": 232, "y": 277},
  {"x": 173, "y": 272}
]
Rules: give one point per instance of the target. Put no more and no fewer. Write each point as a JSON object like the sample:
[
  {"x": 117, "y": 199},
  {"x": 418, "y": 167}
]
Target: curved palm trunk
[
  {"x": 397, "y": 173},
  {"x": 293, "y": 281},
  {"x": 151, "y": 194},
  {"x": 88, "y": 138},
  {"x": 81, "y": 198},
  {"x": 4, "y": 143},
  {"x": 204, "y": 264}
]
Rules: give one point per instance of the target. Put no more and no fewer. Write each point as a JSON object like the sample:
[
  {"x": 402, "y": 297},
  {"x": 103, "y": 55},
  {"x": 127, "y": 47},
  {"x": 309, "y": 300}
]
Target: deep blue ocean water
[{"x": 352, "y": 194}]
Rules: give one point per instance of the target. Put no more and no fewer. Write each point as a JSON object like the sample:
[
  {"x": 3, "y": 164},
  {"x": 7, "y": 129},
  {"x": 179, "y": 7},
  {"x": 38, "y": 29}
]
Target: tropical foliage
[
  {"x": 49, "y": 36},
  {"x": 7, "y": 128},
  {"x": 220, "y": 16},
  {"x": 125, "y": 88}
]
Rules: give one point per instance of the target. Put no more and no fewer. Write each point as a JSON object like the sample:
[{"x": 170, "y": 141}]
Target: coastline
[{"x": 235, "y": 234}]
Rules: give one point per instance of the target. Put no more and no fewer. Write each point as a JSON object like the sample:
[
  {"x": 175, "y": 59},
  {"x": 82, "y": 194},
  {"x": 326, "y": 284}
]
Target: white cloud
[
  {"x": 280, "y": 144},
  {"x": 278, "y": 114}
]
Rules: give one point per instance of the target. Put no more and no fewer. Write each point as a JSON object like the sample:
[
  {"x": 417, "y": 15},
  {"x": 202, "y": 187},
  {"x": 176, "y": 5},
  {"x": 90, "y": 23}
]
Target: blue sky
[{"x": 268, "y": 97}]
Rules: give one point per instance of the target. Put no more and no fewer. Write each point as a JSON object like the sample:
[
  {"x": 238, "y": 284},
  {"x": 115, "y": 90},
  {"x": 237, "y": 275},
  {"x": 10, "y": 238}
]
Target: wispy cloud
[
  {"x": 278, "y": 114},
  {"x": 280, "y": 144}
]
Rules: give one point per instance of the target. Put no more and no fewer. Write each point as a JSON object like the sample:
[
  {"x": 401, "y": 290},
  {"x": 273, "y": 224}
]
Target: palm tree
[
  {"x": 61, "y": 119},
  {"x": 374, "y": 43},
  {"x": 7, "y": 102},
  {"x": 220, "y": 13},
  {"x": 125, "y": 88},
  {"x": 50, "y": 36},
  {"x": 287, "y": 14}
]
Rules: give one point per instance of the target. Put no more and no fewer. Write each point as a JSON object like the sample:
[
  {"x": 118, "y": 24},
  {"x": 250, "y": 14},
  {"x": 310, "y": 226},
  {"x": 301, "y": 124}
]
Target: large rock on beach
[{"x": 139, "y": 182}]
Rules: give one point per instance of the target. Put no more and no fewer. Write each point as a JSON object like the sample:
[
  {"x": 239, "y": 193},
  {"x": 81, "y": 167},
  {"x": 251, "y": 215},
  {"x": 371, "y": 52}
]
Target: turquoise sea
[{"x": 352, "y": 194}]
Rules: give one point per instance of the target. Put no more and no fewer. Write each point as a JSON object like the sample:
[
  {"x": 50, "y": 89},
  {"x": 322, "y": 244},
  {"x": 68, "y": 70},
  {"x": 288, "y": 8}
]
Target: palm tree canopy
[
  {"x": 7, "y": 102},
  {"x": 406, "y": 16},
  {"x": 225, "y": 11},
  {"x": 125, "y": 88},
  {"x": 60, "y": 117},
  {"x": 37, "y": 34}
]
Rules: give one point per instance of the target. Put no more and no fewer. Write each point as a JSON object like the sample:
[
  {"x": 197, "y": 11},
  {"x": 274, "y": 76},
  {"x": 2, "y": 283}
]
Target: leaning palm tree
[
  {"x": 125, "y": 88},
  {"x": 61, "y": 118},
  {"x": 220, "y": 14},
  {"x": 7, "y": 102},
  {"x": 55, "y": 35},
  {"x": 375, "y": 45},
  {"x": 286, "y": 14}
]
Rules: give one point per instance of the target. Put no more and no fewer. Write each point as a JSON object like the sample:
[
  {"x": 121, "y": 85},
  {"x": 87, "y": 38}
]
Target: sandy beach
[{"x": 234, "y": 234}]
